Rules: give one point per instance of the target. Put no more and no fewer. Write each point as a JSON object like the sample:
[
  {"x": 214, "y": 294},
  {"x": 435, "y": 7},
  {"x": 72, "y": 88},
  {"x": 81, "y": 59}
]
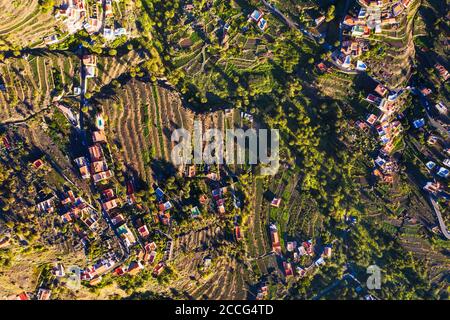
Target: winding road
[{"x": 442, "y": 225}]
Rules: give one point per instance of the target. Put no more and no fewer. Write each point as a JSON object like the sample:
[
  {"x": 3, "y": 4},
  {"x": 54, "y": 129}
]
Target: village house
[
  {"x": 134, "y": 268},
  {"x": 98, "y": 136},
  {"x": 46, "y": 206},
  {"x": 159, "y": 269},
  {"x": 165, "y": 206},
  {"x": 275, "y": 202},
  {"x": 195, "y": 212},
  {"x": 108, "y": 10},
  {"x": 307, "y": 248},
  {"x": 111, "y": 204},
  {"x": 433, "y": 187},
  {"x": 327, "y": 252},
  {"x": 82, "y": 164},
  {"x": 319, "y": 262},
  {"x": 96, "y": 153},
  {"x": 149, "y": 258},
  {"x": 361, "y": 66},
  {"x": 102, "y": 176},
  {"x": 322, "y": 67},
  {"x": 99, "y": 122},
  {"x": 430, "y": 165},
  {"x": 441, "y": 108},
  {"x": 288, "y": 271},
  {"x": 150, "y": 247},
  {"x": 262, "y": 293},
  {"x": 362, "y": 125},
  {"x": 90, "y": 219},
  {"x": 38, "y": 164},
  {"x": 371, "y": 119},
  {"x": 99, "y": 166},
  {"x": 276, "y": 246},
  {"x": 189, "y": 8},
  {"x": 43, "y": 294},
  {"x": 143, "y": 231},
  {"x": 397, "y": 9},
  {"x": 388, "y": 178},
  {"x": 126, "y": 235},
  {"x": 92, "y": 25},
  {"x": 257, "y": 17},
  {"x": 73, "y": 13},
  {"x": 291, "y": 246},
  {"x": 381, "y": 90},
  {"x": 58, "y": 270},
  {"x": 443, "y": 172},
  {"x": 67, "y": 197},
  {"x": 117, "y": 219},
  {"x": 190, "y": 171},
  {"x": 49, "y": 40},
  {"x": 432, "y": 140},
  {"x": 23, "y": 296}
]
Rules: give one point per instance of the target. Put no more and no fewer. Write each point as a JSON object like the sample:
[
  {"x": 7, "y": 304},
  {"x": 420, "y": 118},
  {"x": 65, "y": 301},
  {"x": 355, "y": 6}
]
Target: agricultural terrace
[
  {"x": 212, "y": 48},
  {"x": 390, "y": 59},
  {"x": 110, "y": 68},
  {"x": 25, "y": 24},
  {"x": 32, "y": 82},
  {"x": 225, "y": 278},
  {"x": 141, "y": 119}
]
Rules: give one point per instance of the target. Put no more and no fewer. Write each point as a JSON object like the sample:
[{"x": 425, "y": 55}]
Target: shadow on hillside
[
  {"x": 110, "y": 90},
  {"x": 132, "y": 174},
  {"x": 162, "y": 170}
]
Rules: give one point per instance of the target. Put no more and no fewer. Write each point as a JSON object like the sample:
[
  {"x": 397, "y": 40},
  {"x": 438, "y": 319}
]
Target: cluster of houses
[
  {"x": 218, "y": 193},
  {"x": 70, "y": 208},
  {"x": 74, "y": 14},
  {"x": 442, "y": 171},
  {"x": 97, "y": 167},
  {"x": 41, "y": 294},
  {"x": 74, "y": 208},
  {"x": 291, "y": 260},
  {"x": 387, "y": 128},
  {"x": 94, "y": 273},
  {"x": 164, "y": 206},
  {"x": 257, "y": 17},
  {"x": 372, "y": 18},
  {"x": 386, "y": 125},
  {"x": 146, "y": 256},
  {"x": 386, "y": 168}
]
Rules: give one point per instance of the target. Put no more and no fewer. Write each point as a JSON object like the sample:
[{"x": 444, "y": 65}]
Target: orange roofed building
[{"x": 276, "y": 246}]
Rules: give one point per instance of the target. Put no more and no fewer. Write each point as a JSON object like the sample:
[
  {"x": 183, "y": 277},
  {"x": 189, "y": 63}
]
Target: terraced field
[
  {"x": 335, "y": 85},
  {"x": 30, "y": 83},
  {"x": 395, "y": 68},
  {"x": 142, "y": 119},
  {"x": 110, "y": 68},
  {"x": 257, "y": 229},
  {"x": 227, "y": 280},
  {"x": 24, "y": 24}
]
